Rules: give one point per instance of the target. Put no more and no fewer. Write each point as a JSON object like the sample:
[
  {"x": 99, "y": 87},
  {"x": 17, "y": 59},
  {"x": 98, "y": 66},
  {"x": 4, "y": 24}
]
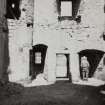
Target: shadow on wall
[
  {"x": 4, "y": 49},
  {"x": 94, "y": 57}
]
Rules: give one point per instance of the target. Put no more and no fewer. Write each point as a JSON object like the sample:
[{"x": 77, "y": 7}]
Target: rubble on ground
[{"x": 40, "y": 80}]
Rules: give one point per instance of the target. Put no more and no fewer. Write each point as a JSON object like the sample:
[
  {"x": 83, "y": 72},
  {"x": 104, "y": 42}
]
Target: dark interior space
[
  {"x": 76, "y": 4},
  {"x": 68, "y": 66},
  {"x": 93, "y": 57},
  {"x": 13, "y": 10}
]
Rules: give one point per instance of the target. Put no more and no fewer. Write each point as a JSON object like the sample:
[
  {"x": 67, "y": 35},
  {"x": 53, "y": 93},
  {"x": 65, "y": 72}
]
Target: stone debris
[{"x": 40, "y": 80}]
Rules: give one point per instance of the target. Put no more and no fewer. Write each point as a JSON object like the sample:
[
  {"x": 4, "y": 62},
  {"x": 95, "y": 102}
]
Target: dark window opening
[
  {"x": 67, "y": 9},
  {"x": 13, "y": 10}
]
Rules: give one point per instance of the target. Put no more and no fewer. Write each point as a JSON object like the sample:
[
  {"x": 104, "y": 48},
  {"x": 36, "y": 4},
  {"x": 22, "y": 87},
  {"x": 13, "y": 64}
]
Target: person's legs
[{"x": 83, "y": 74}]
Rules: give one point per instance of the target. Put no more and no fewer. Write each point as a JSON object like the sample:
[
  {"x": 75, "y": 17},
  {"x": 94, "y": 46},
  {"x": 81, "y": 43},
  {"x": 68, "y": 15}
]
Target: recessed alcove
[{"x": 94, "y": 57}]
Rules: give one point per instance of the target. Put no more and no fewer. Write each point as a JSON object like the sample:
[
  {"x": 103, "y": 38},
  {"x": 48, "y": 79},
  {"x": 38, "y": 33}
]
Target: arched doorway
[
  {"x": 94, "y": 57},
  {"x": 37, "y": 59}
]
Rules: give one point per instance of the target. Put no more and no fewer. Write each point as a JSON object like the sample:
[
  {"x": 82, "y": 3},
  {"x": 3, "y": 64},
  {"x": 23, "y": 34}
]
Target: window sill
[{"x": 61, "y": 18}]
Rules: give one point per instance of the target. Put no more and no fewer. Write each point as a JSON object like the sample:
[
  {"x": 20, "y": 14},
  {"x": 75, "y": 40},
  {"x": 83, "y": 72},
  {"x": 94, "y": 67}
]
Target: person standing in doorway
[{"x": 85, "y": 68}]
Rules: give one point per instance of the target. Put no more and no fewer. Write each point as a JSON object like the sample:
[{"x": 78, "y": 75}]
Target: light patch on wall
[
  {"x": 37, "y": 57},
  {"x": 66, "y": 8}
]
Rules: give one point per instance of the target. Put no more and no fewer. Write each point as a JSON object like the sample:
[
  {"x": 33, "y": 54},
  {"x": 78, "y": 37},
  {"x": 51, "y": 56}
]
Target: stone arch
[
  {"x": 42, "y": 44},
  {"x": 94, "y": 57}
]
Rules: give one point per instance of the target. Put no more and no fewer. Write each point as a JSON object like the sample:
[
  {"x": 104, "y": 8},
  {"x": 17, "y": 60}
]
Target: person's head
[{"x": 84, "y": 58}]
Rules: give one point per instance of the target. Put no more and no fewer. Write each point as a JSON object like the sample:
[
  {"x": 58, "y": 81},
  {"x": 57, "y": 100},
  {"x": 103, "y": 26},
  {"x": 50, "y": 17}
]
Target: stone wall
[
  {"x": 47, "y": 24},
  {"x": 20, "y": 42},
  {"x": 58, "y": 35},
  {"x": 68, "y": 34}
]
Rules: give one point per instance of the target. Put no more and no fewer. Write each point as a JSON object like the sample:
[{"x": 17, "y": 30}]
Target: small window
[
  {"x": 38, "y": 58},
  {"x": 67, "y": 9}
]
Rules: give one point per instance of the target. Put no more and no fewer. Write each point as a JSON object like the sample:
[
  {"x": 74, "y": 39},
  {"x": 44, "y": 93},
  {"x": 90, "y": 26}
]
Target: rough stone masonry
[{"x": 57, "y": 35}]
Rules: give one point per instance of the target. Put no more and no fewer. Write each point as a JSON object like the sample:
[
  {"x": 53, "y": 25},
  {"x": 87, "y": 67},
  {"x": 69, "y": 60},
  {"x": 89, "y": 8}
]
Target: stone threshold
[{"x": 62, "y": 79}]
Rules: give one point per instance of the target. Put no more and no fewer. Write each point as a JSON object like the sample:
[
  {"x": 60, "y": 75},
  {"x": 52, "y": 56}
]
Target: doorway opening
[
  {"x": 37, "y": 59},
  {"x": 63, "y": 67},
  {"x": 94, "y": 57}
]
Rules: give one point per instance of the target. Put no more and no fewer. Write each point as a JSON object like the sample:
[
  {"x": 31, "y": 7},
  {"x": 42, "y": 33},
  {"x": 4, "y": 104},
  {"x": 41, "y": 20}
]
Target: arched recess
[
  {"x": 94, "y": 57},
  {"x": 37, "y": 59}
]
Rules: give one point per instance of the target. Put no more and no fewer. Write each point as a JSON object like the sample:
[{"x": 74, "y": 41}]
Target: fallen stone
[{"x": 40, "y": 80}]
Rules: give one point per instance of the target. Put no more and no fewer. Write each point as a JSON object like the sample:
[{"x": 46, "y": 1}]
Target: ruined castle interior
[{"x": 51, "y": 36}]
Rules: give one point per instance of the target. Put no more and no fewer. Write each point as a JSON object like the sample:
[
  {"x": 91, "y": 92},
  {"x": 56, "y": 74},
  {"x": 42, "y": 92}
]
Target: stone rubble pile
[{"x": 40, "y": 80}]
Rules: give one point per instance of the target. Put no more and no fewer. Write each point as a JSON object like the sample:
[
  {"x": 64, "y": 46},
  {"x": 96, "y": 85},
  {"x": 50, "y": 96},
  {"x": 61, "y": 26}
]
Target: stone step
[{"x": 62, "y": 78}]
